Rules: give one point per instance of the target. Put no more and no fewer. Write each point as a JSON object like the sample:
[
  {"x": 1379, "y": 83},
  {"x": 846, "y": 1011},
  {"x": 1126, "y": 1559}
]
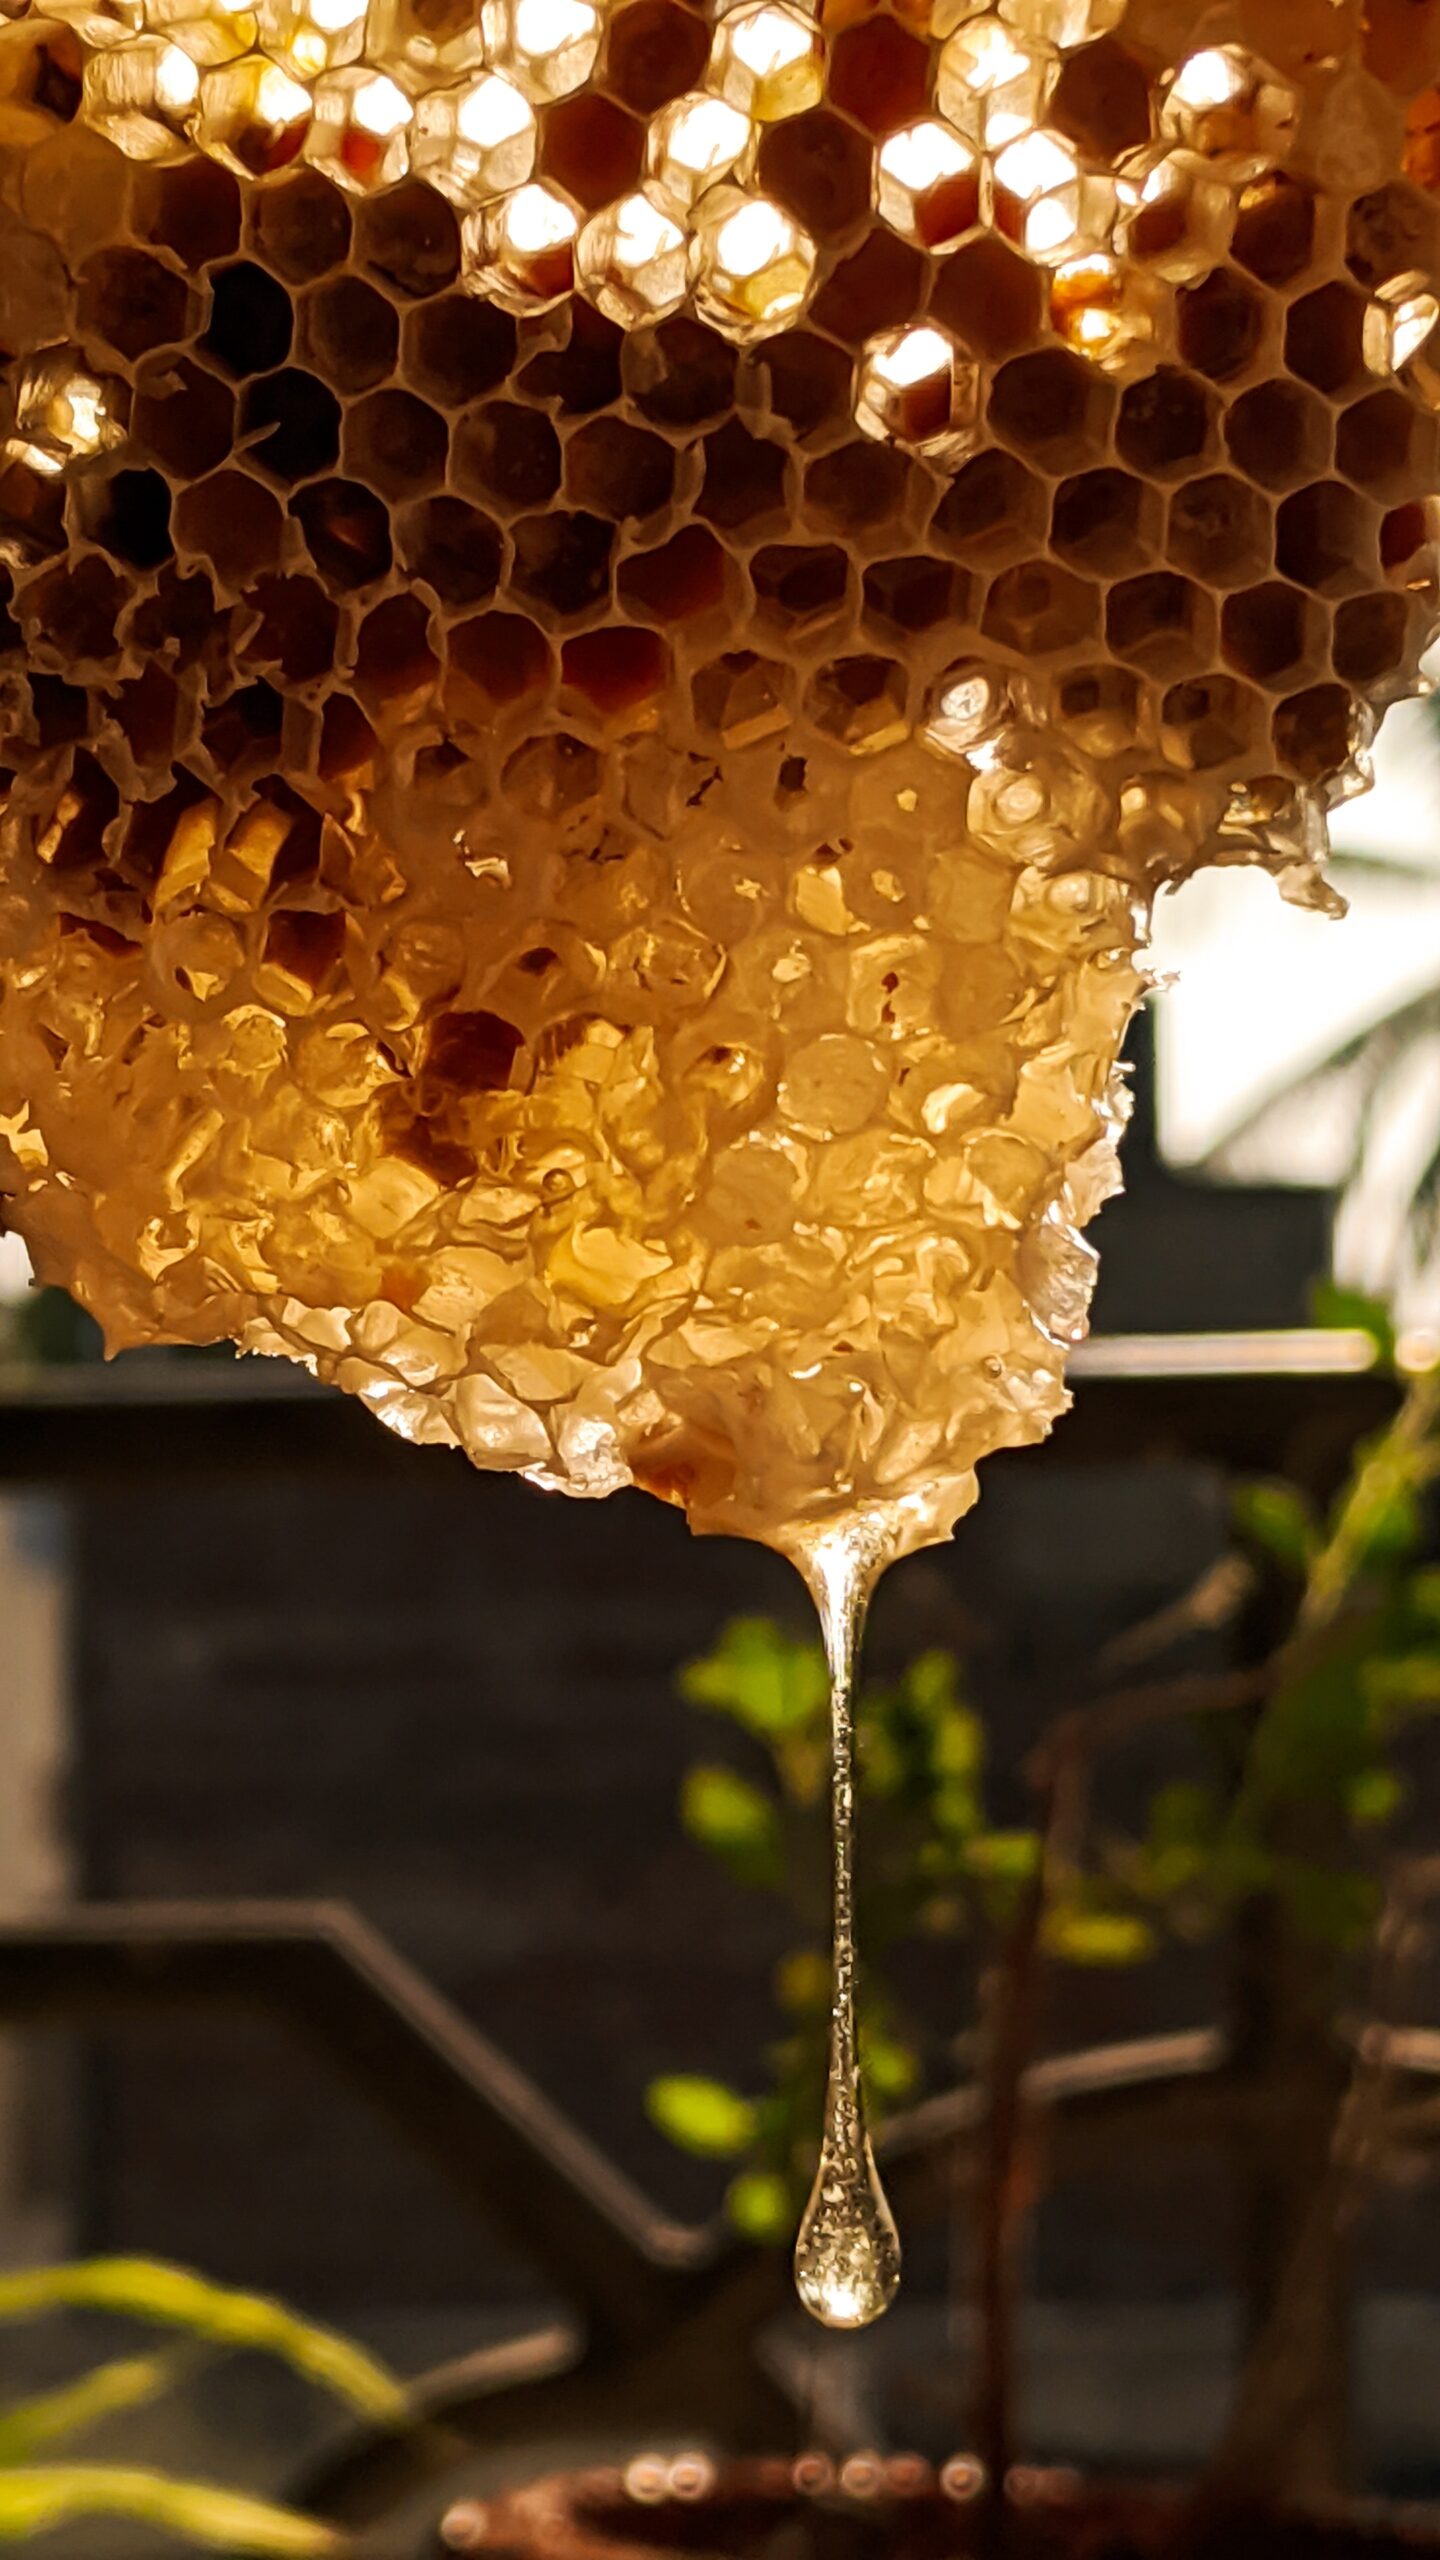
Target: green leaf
[
  {"x": 1276, "y": 1518},
  {"x": 172, "y": 2298},
  {"x": 761, "y": 1677},
  {"x": 700, "y": 2115},
  {"x": 736, "y": 1822},
  {"x": 891, "y": 2070},
  {"x": 1375, "y": 1796},
  {"x": 1342, "y": 1310},
  {"x": 758, "y": 2204},
  {"x": 1004, "y": 1857},
  {"x": 34, "y": 2501},
  {"x": 28, "y": 2427},
  {"x": 1077, "y": 1936}
]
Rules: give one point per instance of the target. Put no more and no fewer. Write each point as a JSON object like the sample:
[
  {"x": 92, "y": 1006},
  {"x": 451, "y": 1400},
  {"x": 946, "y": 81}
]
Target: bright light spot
[
  {"x": 535, "y": 220},
  {"x": 177, "y": 82},
  {"x": 705, "y": 139},
  {"x": 915, "y": 356},
  {"x": 547, "y": 26},
  {"x": 1210, "y": 79},
  {"x": 278, "y": 99},
  {"x": 754, "y": 238},
  {"x": 380, "y": 108},
  {"x": 769, "y": 40},
  {"x": 491, "y": 112},
  {"x": 984, "y": 56},
  {"x": 1398, "y": 323},
  {"x": 643, "y": 233},
  {"x": 922, "y": 156},
  {"x": 1035, "y": 165}
]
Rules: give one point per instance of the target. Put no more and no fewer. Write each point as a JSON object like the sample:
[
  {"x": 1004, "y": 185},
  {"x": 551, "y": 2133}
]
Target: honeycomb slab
[{"x": 611, "y": 613}]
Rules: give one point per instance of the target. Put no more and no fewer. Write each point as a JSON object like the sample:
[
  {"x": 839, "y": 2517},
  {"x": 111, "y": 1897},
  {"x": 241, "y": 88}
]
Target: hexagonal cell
[
  {"x": 1370, "y": 638},
  {"x": 192, "y": 209},
  {"x": 520, "y": 251},
  {"x": 927, "y": 183},
  {"x": 300, "y": 228},
  {"x": 44, "y": 70},
  {"x": 243, "y": 732},
  {"x": 745, "y": 487},
  {"x": 859, "y": 490},
  {"x": 1101, "y": 100},
  {"x": 631, "y": 259},
  {"x": 879, "y": 74},
  {"x": 1160, "y": 622},
  {"x": 740, "y": 699},
  {"x": 1274, "y": 234},
  {"x": 913, "y": 594},
  {"x": 752, "y": 264},
  {"x": 1180, "y": 227},
  {"x": 395, "y": 442},
  {"x": 880, "y": 286},
  {"x": 502, "y": 656},
  {"x": 1166, "y": 425},
  {"x": 292, "y": 424},
  {"x": 128, "y": 515},
  {"x": 132, "y": 302},
  {"x": 1051, "y": 408},
  {"x": 452, "y": 549},
  {"x": 1104, "y": 522},
  {"x": 142, "y": 97},
  {"x": 619, "y": 471},
  {"x": 1393, "y": 231},
  {"x": 994, "y": 510},
  {"x": 1325, "y": 539},
  {"x": 350, "y": 333},
  {"x": 1409, "y": 541},
  {"x": 694, "y": 143},
  {"x": 1325, "y": 339},
  {"x": 1268, "y": 632},
  {"x": 801, "y": 588},
  {"x": 859, "y": 702},
  {"x": 250, "y": 322},
  {"x": 410, "y": 239},
  {"x": 1099, "y": 708},
  {"x": 184, "y": 418},
  {"x": 1039, "y": 609},
  {"x": 1220, "y": 531},
  {"x": 562, "y": 562},
  {"x": 347, "y": 745},
  {"x": 347, "y": 533},
  {"x": 1226, "y": 105},
  {"x": 683, "y": 580},
  {"x": 618, "y": 674},
  {"x": 809, "y": 385},
  {"x": 583, "y": 373},
  {"x": 395, "y": 666},
  {"x": 1220, "y": 325},
  {"x": 233, "y": 523},
  {"x": 78, "y": 607},
  {"x": 679, "y": 374},
  {"x": 1314, "y": 731},
  {"x": 359, "y": 133},
  {"x": 654, "y": 51},
  {"x": 592, "y": 149},
  {"x": 818, "y": 167},
  {"x": 507, "y": 454},
  {"x": 252, "y": 116},
  {"x": 548, "y": 52},
  {"x": 177, "y": 619},
  {"x": 914, "y": 387},
  {"x": 767, "y": 60},
  {"x": 32, "y": 511},
  {"x": 1209, "y": 721},
  {"x": 296, "y": 630},
  {"x": 1386, "y": 446},
  {"x": 456, "y": 348},
  {"x": 989, "y": 297},
  {"x": 1279, "y": 434},
  {"x": 1101, "y": 309}
]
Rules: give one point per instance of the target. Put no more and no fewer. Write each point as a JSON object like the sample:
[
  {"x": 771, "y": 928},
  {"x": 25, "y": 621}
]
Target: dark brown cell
[
  {"x": 192, "y": 209},
  {"x": 351, "y": 334},
  {"x": 818, "y": 167},
  {"x": 1099, "y": 708},
  {"x": 680, "y": 373},
  {"x": 582, "y": 375},
  {"x": 619, "y": 471},
  {"x": 1166, "y": 424},
  {"x": 1386, "y": 445},
  {"x": 881, "y": 284},
  {"x": 394, "y": 662},
  {"x": 994, "y": 510},
  {"x": 291, "y": 424},
  {"x": 1101, "y": 100},
  {"x": 858, "y": 701},
  {"x": 1278, "y": 434},
  {"x": 146, "y": 710},
  {"x": 1267, "y": 632},
  {"x": 305, "y": 943},
  {"x": 1274, "y": 234},
  {"x": 395, "y": 442},
  {"x": 1325, "y": 540},
  {"x": 1369, "y": 639},
  {"x": 654, "y": 51},
  {"x": 457, "y": 347},
  {"x": 507, "y": 454},
  {"x": 233, "y": 523},
  {"x": 1209, "y": 721},
  {"x": 800, "y": 587},
  {"x": 745, "y": 486},
  {"x": 913, "y": 594},
  {"x": 300, "y": 227},
  {"x": 1314, "y": 731},
  {"x": 179, "y": 619},
  {"x": 1101, "y": 521},
  {"x": 244, "y": 731},
  {"x": 251, "y": 320},
  {"x": 879, "y": 74},
  {"x": 1391, "y": 232},
  {"x": 1051, "y": 407},
  {"x": 592, "y": 148},
  {"x": 1220, "y": 531},
  {"x": 617, "y": 672},
  {"x": 862, "y": 489},
  {"x": 76, "y": 610},
  {"x": 468, "y": 1053},
  {"x": 127, "y": 515},
  {"x": 295, "y": 628},
  {"x": 410, "y": 239},
  {"x": 1161, "y": 623},
  {"x": 562, "y": 562},
  {"x": 988, "y": 296},
  {"x": 133, "y": 302},
  {"x": 682, "y": 580},
  {"x": 1220, "y": 323},
  {"x": 809, "y": 384},
  {"x": 500, "y": 656},
  {"x": 1324, "y": 339},
  {"x": 347, "y": 533},
  {"x": 1039, "y": 609},
  {"x": 51, "y": 77},
  {"x": 452, "y": 548},
  {"x": 32, "y": 511},
  {"x": 347, "y": 742},
  {"x": 184, "y": 417}
]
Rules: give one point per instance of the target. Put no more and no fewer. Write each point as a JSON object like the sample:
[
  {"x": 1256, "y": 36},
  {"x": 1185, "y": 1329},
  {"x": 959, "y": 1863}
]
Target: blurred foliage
[
  {"x": 36, "y": 2494},
  {"x": 933, "y": 1866},
  {"x": 1298, "y": 1784}
]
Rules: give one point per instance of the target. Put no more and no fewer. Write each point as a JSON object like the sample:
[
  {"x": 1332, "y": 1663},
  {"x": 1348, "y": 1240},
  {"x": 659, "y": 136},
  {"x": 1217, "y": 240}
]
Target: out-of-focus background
[{"x": 252, "y": 1652}]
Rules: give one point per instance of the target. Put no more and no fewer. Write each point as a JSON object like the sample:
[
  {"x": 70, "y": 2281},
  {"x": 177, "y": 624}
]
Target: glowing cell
[
  {"x": 767, "y": 60},
  {"x": 521, "y": 251},
  {"x": 751, "y": 266},
  {"x": 60, "y": 412},
  {"x": 252, "y": 116},
  {"x": 914, "y": 388},
  {"x": 308, "y": 37},
  {"x": 360, "y": 132},
  {"x": 1227, "y": 106},
  {"x": 474, "y": 141},
  {"x": 1101, "y": 308},
  {"x": 547, "y": 47},
  {"x": 693, "y": 143},
  {"x": 1400, "y": 323},
  {"x": 142, "y": 96},
  {"x": 423, "y": 40},
  {"x": 927, "y": 183},
  {"x": 631, "y": 260}
]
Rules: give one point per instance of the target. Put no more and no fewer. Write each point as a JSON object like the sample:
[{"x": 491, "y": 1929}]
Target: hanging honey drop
[{"x": 847, "y": 2254}]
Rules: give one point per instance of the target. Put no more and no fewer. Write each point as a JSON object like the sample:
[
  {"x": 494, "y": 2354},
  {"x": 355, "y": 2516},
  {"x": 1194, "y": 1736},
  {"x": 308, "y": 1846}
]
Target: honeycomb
[{"x": 611, "y": 614}]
